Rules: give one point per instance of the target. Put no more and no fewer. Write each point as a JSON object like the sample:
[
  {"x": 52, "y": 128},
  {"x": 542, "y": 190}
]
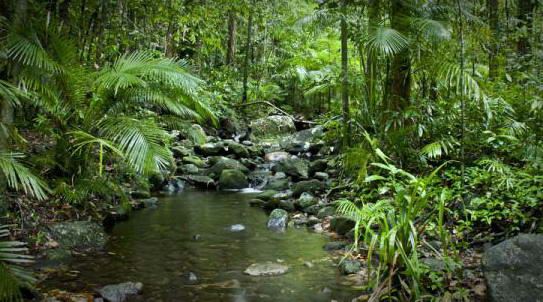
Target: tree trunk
[
  {"x": 345, "y": 74},
  {"x": 493, "y": 23},
  {"x": 371, "y": 63},
  {"x": 400, "y": 80},
  {"x": 232, "y": 25},
  {"x": 247, "y": 56},
  {"x": 525, "y": 17}
]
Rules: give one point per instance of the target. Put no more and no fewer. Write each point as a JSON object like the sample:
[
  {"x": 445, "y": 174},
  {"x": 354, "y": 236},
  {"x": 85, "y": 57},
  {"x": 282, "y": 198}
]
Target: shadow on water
[{"x": 158, "y": 248}]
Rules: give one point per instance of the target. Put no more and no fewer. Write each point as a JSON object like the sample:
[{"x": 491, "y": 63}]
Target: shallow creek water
[{"x": 156, "y": 247}]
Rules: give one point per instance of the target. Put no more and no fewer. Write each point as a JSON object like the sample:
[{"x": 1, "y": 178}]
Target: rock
[
  {"x": 120, "y": 292},
  {"x": 295, "y": 167},
  {"x": 341, "y": 225},
  {"x": 335, "y": 245},
  {"x": 282, "y": 195},
  {"x": 79, "y": 235},
  {"x": 187, "y": 169},
  {"x": 322, "y": 176},
  {"x": 309, "y": 264},
  {"x": 278, "y": 220},
  {"x": 287, "y": 205},
  {"x": 271, "y": 126},
  {"x": 257, "y": 202},
  {"x": 191, "y": 278},
  {"x": 326, "y": 211},
  {"x": 249, "y": 163},
  {"x": 302, "y": 141},
  {"x": 208, "y": 149},
  {"x": 198, "y": 162},
  {"x": 223, "y": 163},
  {"x": 278, "y": 184},
  {"x": 149, "y": 202},
  {"x": 180, "y": 151},
  {"x": 58, "y": 254},
  {"x": 195, "y": 134},
  {"x": 140, "y": 194},
  {"x": 312, "y": 220},
  {"x": 513, "y": 269},
  {"x": 348, "y": 267},
  {"x": 310, "y": 186},
  {"x": 199, "y": 181},
  {"x": 236, "y": 149},
  {"x": 276, "y": 156},
  {"x": 266, "y": 195},
  {"x": 266, "y": 269},
  {"x": 306, "y": 200},
  {"x": 314, "y": 209},
  {"x": 174, "y": 185},
  {"x": 233, "y": 180},
  {"x": 236, "y": 228}
]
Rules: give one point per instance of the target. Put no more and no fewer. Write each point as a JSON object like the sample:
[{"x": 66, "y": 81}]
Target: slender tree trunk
[
  {"x": 525, "y": 17},
  {"x": 248, "y": 53},
  {"x": 374, "y": 17},
  {"x": 400, "y": 81},
  {"x": 493, "y": 23},
  {"x": 345, "y": 74},
  {"x": 232, "y": 28}
]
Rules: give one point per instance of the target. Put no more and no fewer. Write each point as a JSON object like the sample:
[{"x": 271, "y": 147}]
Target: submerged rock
[
  {"x": 79, "y": 235},
  {"x": 236, "y": 228},
  {"x": 278, "y": 220},
  {"x": 266, "y": 269},
  {"x": 513, "y": 269},
  {"x": 120, "y": 292},
  {"x": 233, "y": 180}
]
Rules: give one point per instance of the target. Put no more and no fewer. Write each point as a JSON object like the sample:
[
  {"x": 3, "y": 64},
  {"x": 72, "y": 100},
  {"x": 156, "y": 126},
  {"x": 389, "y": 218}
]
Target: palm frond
[
  {"x": 19, "y": 177},
  {"x": 386, "y": 41},
  {"x": 12, "y": 276}
]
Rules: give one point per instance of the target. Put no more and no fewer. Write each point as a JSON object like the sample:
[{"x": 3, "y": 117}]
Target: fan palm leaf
[{"x": 20, "y": 177}]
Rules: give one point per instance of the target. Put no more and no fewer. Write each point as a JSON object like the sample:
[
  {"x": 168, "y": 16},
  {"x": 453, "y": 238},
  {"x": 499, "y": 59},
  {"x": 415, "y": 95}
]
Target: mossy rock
[
  {"x": 310, "y": 186},
  {"x": 232, "y": 179},
  {"x": 195, "y": 160},
  {"x": 266, "y": 195},
  {"x": 78, "y": 235}
]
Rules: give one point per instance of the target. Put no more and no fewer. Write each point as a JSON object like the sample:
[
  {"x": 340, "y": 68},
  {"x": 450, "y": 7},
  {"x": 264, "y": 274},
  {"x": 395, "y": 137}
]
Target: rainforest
[{"x": 284, "y": 150}]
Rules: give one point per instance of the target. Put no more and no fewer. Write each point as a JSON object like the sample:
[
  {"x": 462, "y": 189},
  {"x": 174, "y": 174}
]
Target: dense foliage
[{"x": 452, "y": 89}]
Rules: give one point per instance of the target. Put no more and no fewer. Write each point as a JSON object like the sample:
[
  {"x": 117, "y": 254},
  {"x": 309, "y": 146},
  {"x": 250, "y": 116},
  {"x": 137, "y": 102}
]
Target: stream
[{"x": 158, "y": 248}]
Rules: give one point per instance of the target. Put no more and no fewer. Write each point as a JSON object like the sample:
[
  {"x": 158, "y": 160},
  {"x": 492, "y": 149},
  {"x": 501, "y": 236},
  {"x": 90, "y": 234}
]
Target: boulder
[
  {"x": 513, "y": 269},
  {"x": 348, "y": 267},
  {"x": 282, "y": 195},
  {"x": 278, "y": 184},
  {"x": 224, "y": 163},
  {"x": 78, "y": 235},
  {"x": 187, "y": 169},
  {"x": 295, "y": 167},
  {"x": 266, "y": 195},
  {"x": 306, "y": 200},
  {"x": 180, "y": 151},
  {"x": 199, "y": 181},
  {"x": 195, "y": 133},
  {"x": 236, "y": 149},
  {"x": 195, "y": 160},
  {"x": 325, "y": 212},
  {"x": 120, "y": 292},
  {"x": 278, "y": 220},
  {"x": 266, "y": 269},
  {"x": 271, "y": 126},
  {"x": 276, "y": 156},
  {"x": 209, "y": 149},
  {"x": 174, "y": 185},
  {"x": 322, "y": 176},
  {"x": 341, "y": 225},
  {"x": 314, "y": 209},
  {"x": 232, "y": 179},
  {"x": 302, "y": 141},
  {"x": 318, "y": 165},
  {"x": 287, "y": 205},
  {"x": 310, "y": 186}
]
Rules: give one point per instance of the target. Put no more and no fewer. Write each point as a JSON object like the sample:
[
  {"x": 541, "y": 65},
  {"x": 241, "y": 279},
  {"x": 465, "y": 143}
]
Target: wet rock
[
  {"x": 287, "y": 205},
  {"x": 513, "y": 269},
  {"x": 257, "y": 202},
  {"x": 282, "y": 195},
  {"x": 278, "y": 220},
  {"x": 236, "y": 228},
  {"x": 209, "y": 149},
  {"x": 223, "y": 163},
  {"x": 312, "y": 220},
  {"x": 191, "y": 278},
  {"x": 59, "y": 254},
  {"x": 196, "y": 237},
  {"x": 310, "y": 186},
  {"x": 187, "y": 169},
  {"x": 301, "y": 141},
  {"x": 326, "y": 211},
  {"x": 306, "y": 200},
  {"x": 314, "y": 209},
  {"x": 341, "y": 225},
  {"x": 180, "y": 151},
  {"x": 335, "y": 245},
  {"x": 195, "y": 134},
  {"x": 271, "y": 126},
  {"x": 295, "y": 167},
  {"x": 266, "y": 195},
  {"x": 198, "y": 162},
  {"x": 322, "y": 176},
  {"x": 276, "y": 156},
  {"x": 249, "y": 163},
  {"x": 79, "y": 235},
  {"x": 278, "y": 184},
  {"x": 199, "y": 181},
  {"x": 348, "y": 267},
  {"x": 120, "y": 292},
  {"x": 236, "y": 149},
  {"x": 233, "y": 180},
  {"x": 174, "y": 185},
  {"x": 266, "y": 269},
  {"x": 140, "y": 194},
  {"x": 149, "y": 202}
]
